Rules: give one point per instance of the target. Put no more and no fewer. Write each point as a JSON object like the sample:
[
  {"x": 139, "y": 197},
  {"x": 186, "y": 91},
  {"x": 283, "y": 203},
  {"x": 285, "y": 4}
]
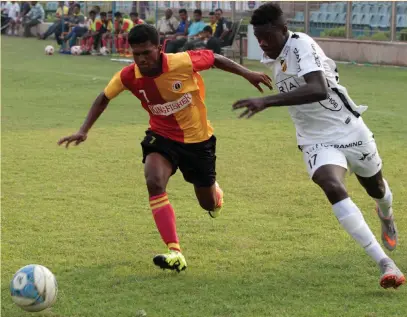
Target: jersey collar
[
  {"x": 165, "y": 67},
  {"x": 267, "y": 60}
]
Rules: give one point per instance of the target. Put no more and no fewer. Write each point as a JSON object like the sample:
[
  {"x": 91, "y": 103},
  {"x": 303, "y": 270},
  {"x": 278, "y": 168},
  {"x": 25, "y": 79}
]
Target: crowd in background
[{"x": 97, "y": 32}]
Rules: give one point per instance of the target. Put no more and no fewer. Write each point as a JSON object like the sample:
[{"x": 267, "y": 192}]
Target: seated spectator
[
  {"x": 205, "y": 41},
  {"x": 167, "y": 25},
  {"x": 93, "y": 34},
  {"x": 77, "y": 25},
  {"x": 182, "y": 29},
  {"x": 135, "y": 18},
  {"x": 25, "y": 7},
  {"x": 193, "y": 30},
  {"x": 107, "y": 29},
  {"x": 62, "y": 12},
  {"x": 121, "y": 42},
  {"x": 13, "y": 14},
  {"x": 212, "y": 21},
  {"x": 221, "y": 26},
  {"x": 34, "y": 17}
]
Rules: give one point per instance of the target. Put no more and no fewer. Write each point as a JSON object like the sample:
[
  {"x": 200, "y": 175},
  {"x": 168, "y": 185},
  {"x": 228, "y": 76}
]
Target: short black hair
[
  {"x": 118, "y": 14},
  {"x": 109, "y": 12},
  {"x": 97, "y": 8},
  {"x": 198, "y": 11},
  {"x": 77, "y": 5},
  {"x": 208, "y": 29},
  {"x": 134, "y": 14},
  {"x": 212, "y": 13},
  {"x": 143, "y": 33},
  {"x": 266, "y": 13},
  {"x": 182, "y": 11},
  {"x": 103, "y": 14},
  {"x": 92, "y": 12},
  {"x": 219, "y": 9}
]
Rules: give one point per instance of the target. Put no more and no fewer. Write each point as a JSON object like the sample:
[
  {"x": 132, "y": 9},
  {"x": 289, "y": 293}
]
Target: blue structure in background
[{"x": 366, "y": 17}]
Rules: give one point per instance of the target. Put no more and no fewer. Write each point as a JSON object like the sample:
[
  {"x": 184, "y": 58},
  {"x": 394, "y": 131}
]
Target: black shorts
[{"x": 196, "y": 161}]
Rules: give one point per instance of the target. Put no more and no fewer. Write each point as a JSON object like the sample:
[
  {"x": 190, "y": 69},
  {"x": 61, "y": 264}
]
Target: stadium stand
[{"x": 369, "y": 16}]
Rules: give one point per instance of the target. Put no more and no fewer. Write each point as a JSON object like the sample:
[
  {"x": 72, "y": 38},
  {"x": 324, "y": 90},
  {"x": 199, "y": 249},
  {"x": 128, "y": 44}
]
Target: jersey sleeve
[
  {"x": 98, "y": 25},
  {"x": 307, "y": 57},
  {"x": 126, "y": 26},
  {"x": 115, "y": 87},
  {"x": 201, "y": 59}
]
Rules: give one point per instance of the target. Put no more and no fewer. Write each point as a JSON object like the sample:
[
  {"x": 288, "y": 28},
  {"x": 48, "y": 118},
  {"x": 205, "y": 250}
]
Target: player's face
[
  {"x": 147, "y": 57},
  {"x": 218, "y": 15},
  {"x": 271, "y": 38},
  {"x": 212, "y": 19}
]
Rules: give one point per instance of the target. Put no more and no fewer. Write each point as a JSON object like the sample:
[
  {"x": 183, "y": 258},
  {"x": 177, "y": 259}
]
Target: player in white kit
[{"x": 330, "y": 131}]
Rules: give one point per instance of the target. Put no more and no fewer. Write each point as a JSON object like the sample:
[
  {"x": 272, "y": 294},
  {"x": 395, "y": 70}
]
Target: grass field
[{"x": 276, "y": 251}]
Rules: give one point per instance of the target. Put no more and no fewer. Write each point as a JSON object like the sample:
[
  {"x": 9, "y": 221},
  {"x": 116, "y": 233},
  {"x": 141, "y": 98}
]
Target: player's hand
[
  {"x": 77, "y": 138},
  {"x": 256, "y": 78},
  {"x": 252, "y": 105}
]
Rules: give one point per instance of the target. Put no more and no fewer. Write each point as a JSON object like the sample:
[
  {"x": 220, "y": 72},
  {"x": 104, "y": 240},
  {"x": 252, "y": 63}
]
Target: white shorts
[{"x": 356, "y": 152}]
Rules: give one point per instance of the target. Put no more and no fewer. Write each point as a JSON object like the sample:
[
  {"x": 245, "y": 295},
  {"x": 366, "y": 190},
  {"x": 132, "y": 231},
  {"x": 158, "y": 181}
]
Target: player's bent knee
[
  {"x": 333, "y": 188},
  {"x": 155, "y": 185}
]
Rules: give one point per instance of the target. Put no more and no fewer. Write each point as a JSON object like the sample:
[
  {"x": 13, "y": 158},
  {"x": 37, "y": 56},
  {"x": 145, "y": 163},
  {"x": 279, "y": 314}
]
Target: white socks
[
  {"x": 352, "y": 221},
  {"x": 385, "y": 203}
]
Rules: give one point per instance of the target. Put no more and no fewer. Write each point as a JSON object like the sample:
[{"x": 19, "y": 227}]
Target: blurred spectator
[
  {"x": 135, "y": 18},
  {"x": 212, "y": 21},
  {"x": 92, "y": 37},
  {"x": 13, "y": 15},
  {"x": 34, "y": 17},
  {"x": 5, "y": 21},
  {"x": 77, "y": 25},
  {"x": 167, "y": 25},
  {"x": 71, "y": 8},
  {"x": 122, "y": 45},
  {"x": 193, "y": 30},
  {"x": 62, "y": 11},
  {"x": 25, "y": 7},
  {"x": 221, "y": 27},
  {"x": 182, "y": 29},
  {"x": 107, "y": 29},
  {"x": 205, "y": 41}
]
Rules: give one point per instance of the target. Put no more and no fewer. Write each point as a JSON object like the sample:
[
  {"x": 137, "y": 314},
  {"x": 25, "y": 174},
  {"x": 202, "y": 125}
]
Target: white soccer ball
[
  {"x": 104, "y": 51},
  {"x": 76, "y": 50},
  {"x": 49, "y": 50},
  {"x": 34, "y": 288}
]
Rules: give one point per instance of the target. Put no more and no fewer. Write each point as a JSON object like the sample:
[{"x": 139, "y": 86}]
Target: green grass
[{"x": 276, "y": 251}]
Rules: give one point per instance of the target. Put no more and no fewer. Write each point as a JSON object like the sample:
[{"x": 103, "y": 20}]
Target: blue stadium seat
[
  {"x": 374, "y": 20},
  {"x": 384, "y": 9},
  {"x": 402, "y": 8},
  {"x": 314, "y": 16},
  {"x": 374, "y": 9},
  {"x": 365, "y": 19},
  {"x": 401, "y": 21},
  {"x": 324, "y": 7},
  {"x": 356, "y": 8},
  {"x": 342, "y": 18},
  {"x": 356, "y": 17},
  {"x": 330, "y": 17},
  {"x": 365, "y": 8},
  {"x": 323, "y": 17},
  {"x": 51, "y": 6},
  {"x": 384, "y": 21},
  {"x": 340, "y": 7},
  {"x": 299, "y": 16}
]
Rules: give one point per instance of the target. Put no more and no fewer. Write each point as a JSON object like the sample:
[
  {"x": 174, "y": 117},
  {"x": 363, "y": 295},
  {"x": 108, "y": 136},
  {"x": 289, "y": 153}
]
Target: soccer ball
[
  {"x": 104, "y": 51},
  {"x": 49, "y": 50},
  {"x": 34, "y": 288},
  {"x": 76, "y": 50}
]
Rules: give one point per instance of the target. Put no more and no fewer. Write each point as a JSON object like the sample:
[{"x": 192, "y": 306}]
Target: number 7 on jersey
[{"x": 143, "y": 92}]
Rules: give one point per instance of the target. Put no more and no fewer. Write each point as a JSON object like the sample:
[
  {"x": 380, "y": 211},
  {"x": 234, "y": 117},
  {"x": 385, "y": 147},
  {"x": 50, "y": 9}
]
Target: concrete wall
[{"x": 386, "y": 53}]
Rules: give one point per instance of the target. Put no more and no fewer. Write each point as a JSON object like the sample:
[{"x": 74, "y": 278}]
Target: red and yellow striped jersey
[{"x": 175, "y": 100}]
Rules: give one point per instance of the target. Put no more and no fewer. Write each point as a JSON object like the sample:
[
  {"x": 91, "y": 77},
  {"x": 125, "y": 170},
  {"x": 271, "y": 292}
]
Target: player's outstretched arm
[
  {"x": 99, "y": 105},
  {"x": 255, "y": 78},
  {"x": 315, "y": 90}
]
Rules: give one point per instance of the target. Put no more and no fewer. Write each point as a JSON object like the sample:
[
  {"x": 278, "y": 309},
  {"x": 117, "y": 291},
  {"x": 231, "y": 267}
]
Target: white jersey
[{"x": 316, "y": 122}]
